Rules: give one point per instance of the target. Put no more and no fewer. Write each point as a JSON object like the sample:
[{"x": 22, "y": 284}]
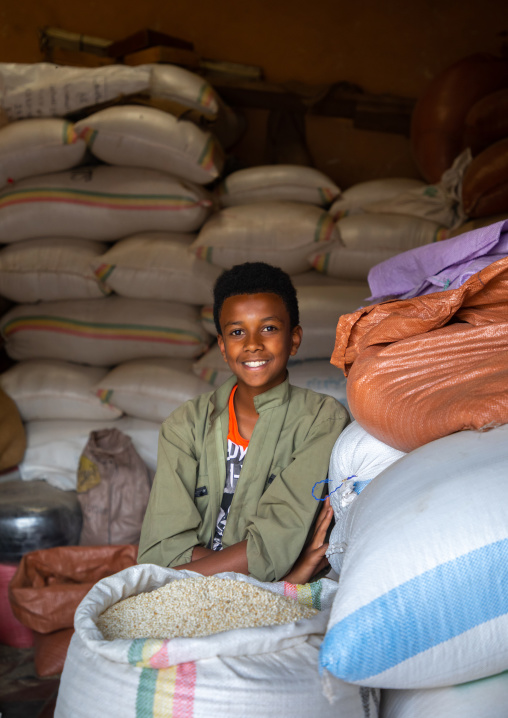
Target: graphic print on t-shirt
[{"x": 234, "y": 463}]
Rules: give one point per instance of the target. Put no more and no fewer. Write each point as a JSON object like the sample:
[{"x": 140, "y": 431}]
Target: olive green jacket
[{"x": 272, "y": 507}]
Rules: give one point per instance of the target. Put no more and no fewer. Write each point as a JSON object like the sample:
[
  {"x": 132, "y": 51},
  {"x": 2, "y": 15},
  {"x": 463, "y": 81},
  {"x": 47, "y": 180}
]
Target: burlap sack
[
  {"x": 113, "y": 489},
  {"x": 12, "y": 433},
  {"x": 422, "y": 368}
]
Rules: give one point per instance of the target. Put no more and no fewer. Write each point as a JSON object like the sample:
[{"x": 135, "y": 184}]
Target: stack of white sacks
[
  {"x": 96, "y": 259},
  {"x": 421, "y": 547},
  {"x": 111, "y": 246}
]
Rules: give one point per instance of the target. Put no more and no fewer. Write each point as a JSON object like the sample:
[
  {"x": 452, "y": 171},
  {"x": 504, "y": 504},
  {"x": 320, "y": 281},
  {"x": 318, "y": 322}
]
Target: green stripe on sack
[
  {"x": 135, "y": 654},
  {"x": 146, "y": 693},
  {"x": 97, "y": 193},
  {"x": 316, "y": 589}
]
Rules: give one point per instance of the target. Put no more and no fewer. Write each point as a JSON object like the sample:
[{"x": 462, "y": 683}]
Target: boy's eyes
[{"x": 268, "y": 328}]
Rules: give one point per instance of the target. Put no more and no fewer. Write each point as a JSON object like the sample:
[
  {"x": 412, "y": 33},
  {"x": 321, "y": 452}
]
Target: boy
[{"x": 204, "y": 514}]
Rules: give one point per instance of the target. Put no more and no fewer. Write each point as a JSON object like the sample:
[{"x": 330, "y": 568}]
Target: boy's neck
[{"x": 245, "y": 409}]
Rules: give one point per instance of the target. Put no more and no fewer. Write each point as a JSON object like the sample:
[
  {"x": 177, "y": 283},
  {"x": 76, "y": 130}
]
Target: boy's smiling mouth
[{"x": 255, "y": 364}]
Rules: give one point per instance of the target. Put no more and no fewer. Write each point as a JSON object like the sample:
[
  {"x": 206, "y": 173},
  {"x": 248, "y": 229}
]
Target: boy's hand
[{"x": 313, "y": 559}]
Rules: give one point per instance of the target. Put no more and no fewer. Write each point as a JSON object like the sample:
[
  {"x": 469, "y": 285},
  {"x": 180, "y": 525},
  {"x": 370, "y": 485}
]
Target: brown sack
[
  {"x": 438, "y": 118},
  {"x": 485, "y": 183},
  {"x": 50, "y": 584},
  {"x": 426, "y": 367},
  {"x": 486, "y": 122},
  {"x": 113, "y": 489},
  {"x": 12, "y": 433}
]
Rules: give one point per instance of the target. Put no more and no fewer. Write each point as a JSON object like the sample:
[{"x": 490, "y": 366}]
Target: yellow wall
[{"x": 394, "y": 46}]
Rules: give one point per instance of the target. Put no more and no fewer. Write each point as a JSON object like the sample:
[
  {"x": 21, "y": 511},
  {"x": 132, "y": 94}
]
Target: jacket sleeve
[
  {"x": 287, "y": 509},
  {"x": 169, "y": 531}
]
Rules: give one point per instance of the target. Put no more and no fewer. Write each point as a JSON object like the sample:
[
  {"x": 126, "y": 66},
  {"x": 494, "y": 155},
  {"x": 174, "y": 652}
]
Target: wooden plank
[
  {"x": 171, "y": 55},
  {"x": 382, "y": 113},
  {"x": 54, "y": 37},
  {"x": 145, "y": 39}
]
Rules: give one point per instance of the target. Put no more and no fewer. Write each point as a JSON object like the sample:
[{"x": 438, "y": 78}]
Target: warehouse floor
[{"x": 22, "y": 693}]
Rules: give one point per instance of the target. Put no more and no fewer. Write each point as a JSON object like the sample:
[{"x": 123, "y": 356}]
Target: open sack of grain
[{"x": 263, "y": 670}]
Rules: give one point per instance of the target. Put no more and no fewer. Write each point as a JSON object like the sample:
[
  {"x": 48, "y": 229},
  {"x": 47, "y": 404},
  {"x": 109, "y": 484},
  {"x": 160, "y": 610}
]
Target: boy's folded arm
[
  {"x": 169, "y": 531},
  {"x": 288, "y": 508},
  {"x": 232, "y": 558}
]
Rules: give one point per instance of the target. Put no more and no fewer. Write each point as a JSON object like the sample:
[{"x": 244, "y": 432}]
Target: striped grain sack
[
  {"x": 103, "y": 203},
  {"x": 281, "y": 233},
  {"x": 175, "y": 84},
  {"x": 50, "y": 270},
  {"x": 53, "y": 389},
  {"x": 156, "y": 265},
  {"x": 103, "y": 332},
  {"x": 34, "y": 147},
  {"x": 134, "y": 136},
  {"x": 290, "y": 183},
  {"x": 150, "y": 388},
  {"x": 422, "y": 600},
  {"x": 268, "y": 672},
  {"x": 367, "y": 239},
  {"x": 354, "y": 199}
]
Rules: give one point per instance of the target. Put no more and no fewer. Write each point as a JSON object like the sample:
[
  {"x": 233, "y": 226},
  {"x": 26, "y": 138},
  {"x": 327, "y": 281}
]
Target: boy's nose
[{"x": 253, "y": 342}]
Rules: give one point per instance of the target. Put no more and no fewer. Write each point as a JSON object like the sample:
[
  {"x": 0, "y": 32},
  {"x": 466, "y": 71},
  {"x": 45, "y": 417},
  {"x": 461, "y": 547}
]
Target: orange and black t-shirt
[{"x": 237, "y": 448}]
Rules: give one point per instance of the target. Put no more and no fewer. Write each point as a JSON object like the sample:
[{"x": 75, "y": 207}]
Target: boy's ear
[
  {"x": 296, "y": 339},
  {"x": 220, "y": 342}
]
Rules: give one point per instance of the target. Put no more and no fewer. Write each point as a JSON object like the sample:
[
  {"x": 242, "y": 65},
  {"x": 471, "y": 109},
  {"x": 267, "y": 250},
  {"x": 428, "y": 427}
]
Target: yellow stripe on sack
[
  {"x": 205, "y": 96},
  {"x": 304, "y": 594},
  {"x": 441, "y": 234},
  {"x": 324, "y": 228},
  {"x": 320, "y": 262},
  {"x": 104, "y": 395},
  {"x": 164, "y": 692},
  {"x": 69, "y": 134}
]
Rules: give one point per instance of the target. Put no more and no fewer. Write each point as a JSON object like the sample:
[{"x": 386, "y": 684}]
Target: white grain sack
[
  {"x": 50, "y": 269},
  {"x": 280, "y": 233},
  {"x": 53, "y": 389},
  {"x": 137, "y": 136},
  {"x": 100, "y": 202},
  {"x": 103, "y": 332},
  {"x": 267, "y": 671},
  {"x": 290, "y": 183},
  {"x": 34, "y": 147},
  {"x": 357, "y": 197},
  {"x": 150, "y": 388},
  {"x": 157, "y": 265}
]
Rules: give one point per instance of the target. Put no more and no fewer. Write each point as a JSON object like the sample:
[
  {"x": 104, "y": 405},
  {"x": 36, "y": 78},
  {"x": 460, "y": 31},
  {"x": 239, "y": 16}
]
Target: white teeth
[{"x": 254, "y": 364}]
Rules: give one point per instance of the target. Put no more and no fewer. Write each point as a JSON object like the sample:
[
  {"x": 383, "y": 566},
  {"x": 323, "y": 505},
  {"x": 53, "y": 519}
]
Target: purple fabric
[{"x": 439, "y": 266}]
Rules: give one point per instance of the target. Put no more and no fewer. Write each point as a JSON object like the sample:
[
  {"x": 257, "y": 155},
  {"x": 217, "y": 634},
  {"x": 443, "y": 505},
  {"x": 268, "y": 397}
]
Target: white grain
[{"x": 191, "y": 607}]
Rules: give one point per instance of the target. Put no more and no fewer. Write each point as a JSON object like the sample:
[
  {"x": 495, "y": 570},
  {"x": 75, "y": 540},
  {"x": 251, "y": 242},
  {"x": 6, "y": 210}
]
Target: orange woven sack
[
  {"x": 422, "y": 368},
  {"x": 50, "y": 584},
  {"x": 51, "y": 651}
]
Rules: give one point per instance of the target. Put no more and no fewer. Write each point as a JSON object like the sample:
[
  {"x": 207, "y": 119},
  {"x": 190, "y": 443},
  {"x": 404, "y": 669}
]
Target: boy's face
[{"x": 256, "y": 339}]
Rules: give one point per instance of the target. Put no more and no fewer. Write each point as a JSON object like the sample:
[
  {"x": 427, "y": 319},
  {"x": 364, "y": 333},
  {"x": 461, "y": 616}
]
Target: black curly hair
[{"x": 255, "y": 278}]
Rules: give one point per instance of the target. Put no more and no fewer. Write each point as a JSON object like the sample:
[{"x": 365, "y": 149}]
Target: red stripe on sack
[
  {"x": 104, "y": 205},
  {"x": 92, "y": 335},
  {"x": 160, "y": 659},
  {"x": 290, "y": 590},
  {"x": 183, "y": 700}
]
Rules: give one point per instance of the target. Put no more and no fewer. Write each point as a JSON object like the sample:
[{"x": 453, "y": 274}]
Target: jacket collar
[{"x": 267, "y": 400}]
